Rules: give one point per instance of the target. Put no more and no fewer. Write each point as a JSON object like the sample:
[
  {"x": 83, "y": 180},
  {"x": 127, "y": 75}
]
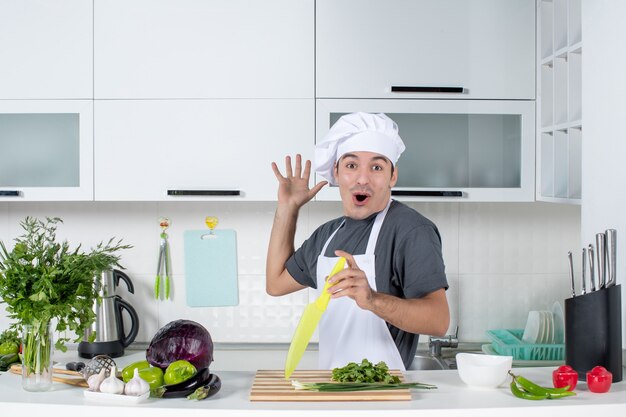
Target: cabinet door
[
  {"x": 204, "y": 49},
  {"x": 46, "y": 150},
  {"x": 165, "y": 150},
  {"x": 46, "y": 49},
  {"x": 456, "y": 150},
  {"x": 486, "y": 47}
]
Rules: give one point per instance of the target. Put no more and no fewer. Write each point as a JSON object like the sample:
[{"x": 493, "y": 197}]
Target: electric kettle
[{"x": 111, "y": 337}]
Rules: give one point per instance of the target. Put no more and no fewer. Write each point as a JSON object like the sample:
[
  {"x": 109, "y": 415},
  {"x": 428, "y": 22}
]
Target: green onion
[{"x": 357, "y": 386}]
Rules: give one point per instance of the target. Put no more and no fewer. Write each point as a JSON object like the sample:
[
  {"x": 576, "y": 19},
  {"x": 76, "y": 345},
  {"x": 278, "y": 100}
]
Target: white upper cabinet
[
  {"x": 46, "y": 49},
  {"x": 190, "y": 150},
  {"x": 158, "y": 49},
  {"x": 486, "y": 48}
]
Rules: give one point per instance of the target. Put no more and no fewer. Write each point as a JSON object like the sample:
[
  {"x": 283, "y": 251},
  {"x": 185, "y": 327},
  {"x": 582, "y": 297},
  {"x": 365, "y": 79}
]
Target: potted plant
[{"x": 44, "y": 284}]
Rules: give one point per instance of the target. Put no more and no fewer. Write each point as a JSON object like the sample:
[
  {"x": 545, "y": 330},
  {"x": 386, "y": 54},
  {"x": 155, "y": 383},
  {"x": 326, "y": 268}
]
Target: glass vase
[{"x": 37, "y": 357}]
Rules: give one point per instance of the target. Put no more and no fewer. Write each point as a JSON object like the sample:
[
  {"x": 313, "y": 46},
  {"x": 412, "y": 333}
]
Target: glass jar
[{"x": 37, "y": 357}]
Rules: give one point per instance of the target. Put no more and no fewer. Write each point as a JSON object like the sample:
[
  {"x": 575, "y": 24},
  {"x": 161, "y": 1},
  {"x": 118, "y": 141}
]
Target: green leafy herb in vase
[{"x": 43, "y": 281}]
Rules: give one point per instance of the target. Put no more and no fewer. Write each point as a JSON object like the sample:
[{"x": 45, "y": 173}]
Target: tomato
[
  {"x": 599, "y": 379},
  {"x": 129, "y": 371},
  {"x": 565, "y": 376},
  {"x": 178, "y": 371},
  {"x": 152, "y": 375}
]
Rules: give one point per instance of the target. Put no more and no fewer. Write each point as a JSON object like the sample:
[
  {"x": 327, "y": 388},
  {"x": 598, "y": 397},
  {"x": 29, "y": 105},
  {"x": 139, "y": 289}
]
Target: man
[{"x": 394, "y": 285}]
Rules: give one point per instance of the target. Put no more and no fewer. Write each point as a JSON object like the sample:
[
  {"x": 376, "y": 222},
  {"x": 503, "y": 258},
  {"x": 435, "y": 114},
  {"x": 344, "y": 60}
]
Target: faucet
[{"x": 436, "y": 343}]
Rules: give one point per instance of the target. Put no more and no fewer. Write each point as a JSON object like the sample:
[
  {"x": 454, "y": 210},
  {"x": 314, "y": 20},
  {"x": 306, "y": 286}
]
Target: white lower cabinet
[
  {"x": 46, "y": 150},
  {"x": 189, "y": 150}
]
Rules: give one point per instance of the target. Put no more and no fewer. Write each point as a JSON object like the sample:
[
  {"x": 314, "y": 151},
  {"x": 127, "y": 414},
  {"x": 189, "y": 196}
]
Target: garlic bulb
[
  {"x": 112, "y": 385},
  {"x": 95, "y": 380},
  {"x": 136, "y": 386}
]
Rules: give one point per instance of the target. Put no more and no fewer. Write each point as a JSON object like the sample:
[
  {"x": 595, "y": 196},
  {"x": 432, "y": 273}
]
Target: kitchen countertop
[{"x": 452, "y": 398}]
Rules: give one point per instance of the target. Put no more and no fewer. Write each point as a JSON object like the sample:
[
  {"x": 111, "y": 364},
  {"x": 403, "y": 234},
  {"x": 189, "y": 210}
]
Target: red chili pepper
[
  {"x": 565, "y": 376},
  {"x": 599, "y": 379}
]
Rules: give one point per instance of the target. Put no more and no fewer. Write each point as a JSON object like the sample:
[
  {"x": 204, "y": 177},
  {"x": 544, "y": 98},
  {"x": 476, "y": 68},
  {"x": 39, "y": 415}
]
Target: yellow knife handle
[{"x": 324, "y": 298}]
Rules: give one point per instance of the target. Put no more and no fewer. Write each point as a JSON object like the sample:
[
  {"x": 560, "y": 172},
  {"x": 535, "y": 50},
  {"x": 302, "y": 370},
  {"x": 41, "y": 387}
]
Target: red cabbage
[{"x": 181, "y": 339}]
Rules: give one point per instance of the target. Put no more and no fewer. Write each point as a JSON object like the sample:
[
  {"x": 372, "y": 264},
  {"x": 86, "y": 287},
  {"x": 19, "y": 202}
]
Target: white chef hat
[{"x": 357, "y": 132}]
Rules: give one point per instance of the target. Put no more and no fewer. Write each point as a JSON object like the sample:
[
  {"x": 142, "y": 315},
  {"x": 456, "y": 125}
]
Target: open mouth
[{"x": 360, "y": 198}]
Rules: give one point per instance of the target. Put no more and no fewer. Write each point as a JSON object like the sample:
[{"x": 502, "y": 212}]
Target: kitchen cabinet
[
  {"x": 46, "y": 49},
  {"x": 459, "y": 150},
  {"x": 559, "y": 92},
  {"x": 46, "y": 150},
  {"x": 484, "y": 47},
  {"x": 188, "y": 49},
  {"x": 189, "y": 150}
]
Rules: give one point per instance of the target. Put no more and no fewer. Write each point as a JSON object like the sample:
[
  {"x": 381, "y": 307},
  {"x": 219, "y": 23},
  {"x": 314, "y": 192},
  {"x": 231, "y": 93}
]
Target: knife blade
[
  {"x": 611, "y": 255},
  {"x": 571, "y": 272},
  {"x": 592, "y": 271},
  {"x": 601, "y": 255},
  {"x": 308, "y": 323},
  {"x": 584, "y": 273}
]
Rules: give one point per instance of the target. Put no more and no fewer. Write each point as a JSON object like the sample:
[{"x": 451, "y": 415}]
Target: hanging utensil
[
  {"x": 163, "y": 266},
  {"x": 611, "y": 252},
  {"x": 592, "y": 270},
  {"x": 571, "y": 272},
  {"x": 601, "y": 256}
]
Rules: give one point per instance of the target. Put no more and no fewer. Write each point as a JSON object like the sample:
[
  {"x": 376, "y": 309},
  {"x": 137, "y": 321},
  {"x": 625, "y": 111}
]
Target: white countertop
[{"x": 452, "y": 398}]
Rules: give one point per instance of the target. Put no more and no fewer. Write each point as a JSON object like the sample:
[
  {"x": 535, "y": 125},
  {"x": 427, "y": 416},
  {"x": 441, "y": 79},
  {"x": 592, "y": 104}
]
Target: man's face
[{"x": 365, "y": 180}]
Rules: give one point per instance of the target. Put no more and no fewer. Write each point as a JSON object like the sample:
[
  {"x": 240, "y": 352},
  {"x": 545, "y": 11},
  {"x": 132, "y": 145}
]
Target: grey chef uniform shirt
[{"x": 409, "y": 263}]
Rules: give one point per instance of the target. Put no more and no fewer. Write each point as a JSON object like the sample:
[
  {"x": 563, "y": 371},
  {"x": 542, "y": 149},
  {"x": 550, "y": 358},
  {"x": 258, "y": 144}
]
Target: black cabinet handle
[
  {"x": 201, "y": 193},
  {"x": 418, "y": 89},
  {"x": 421, "y": 193},
  {"x": 9, "y": 193}
]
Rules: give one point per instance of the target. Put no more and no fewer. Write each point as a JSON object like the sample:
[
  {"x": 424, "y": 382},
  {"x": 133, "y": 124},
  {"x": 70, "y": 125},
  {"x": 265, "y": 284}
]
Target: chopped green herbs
[{"x": 365, "y": 372}]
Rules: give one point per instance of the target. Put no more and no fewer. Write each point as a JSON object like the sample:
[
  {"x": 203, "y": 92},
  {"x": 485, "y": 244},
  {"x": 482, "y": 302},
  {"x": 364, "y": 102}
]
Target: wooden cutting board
[{"x": 271, "y": 385}]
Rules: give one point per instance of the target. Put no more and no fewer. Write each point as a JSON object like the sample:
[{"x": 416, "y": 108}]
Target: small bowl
[{"x": 483, "y": 371}]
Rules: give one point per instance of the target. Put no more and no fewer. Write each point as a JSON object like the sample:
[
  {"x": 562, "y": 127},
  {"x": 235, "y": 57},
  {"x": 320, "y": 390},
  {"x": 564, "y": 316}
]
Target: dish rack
[{"x": 509, "y": 342}]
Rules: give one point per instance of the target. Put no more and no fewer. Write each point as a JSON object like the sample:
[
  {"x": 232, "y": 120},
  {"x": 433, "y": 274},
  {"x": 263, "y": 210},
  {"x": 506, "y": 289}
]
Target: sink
[{"x": 428, "y": 363}]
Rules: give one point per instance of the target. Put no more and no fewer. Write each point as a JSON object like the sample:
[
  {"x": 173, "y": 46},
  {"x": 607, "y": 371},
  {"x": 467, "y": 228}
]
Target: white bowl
[{"x": 483, "y": 371}]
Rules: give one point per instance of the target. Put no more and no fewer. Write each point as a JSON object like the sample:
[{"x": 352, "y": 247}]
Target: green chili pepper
[
  {"x": 523, "y": 394},
  {"x": 526, "y": 389}
]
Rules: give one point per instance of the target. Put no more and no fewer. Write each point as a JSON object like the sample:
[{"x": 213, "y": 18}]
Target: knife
[
  {"x": 584, "y": 274},
  {"x": 308, "y": 323},
  {"x": 571, "y": 273},
  {"x": 611, "y": 254},
  {"x": 592, "y": 270},
  {"x": 601, "y": 255}
]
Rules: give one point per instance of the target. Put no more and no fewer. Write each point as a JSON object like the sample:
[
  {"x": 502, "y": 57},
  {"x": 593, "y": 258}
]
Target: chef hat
[{"x": 357, "y": 132}]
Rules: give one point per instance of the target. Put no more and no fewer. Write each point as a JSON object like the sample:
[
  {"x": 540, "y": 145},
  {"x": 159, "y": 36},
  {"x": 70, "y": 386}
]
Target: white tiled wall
[{"x": 502, "y": 259}]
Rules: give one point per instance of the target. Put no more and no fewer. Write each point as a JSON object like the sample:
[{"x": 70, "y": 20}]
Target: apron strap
[{"x": 331, "y": 238}]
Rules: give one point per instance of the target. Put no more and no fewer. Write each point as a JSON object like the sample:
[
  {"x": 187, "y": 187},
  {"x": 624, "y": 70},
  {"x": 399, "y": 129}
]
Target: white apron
[{"x": 348, "y": 333}]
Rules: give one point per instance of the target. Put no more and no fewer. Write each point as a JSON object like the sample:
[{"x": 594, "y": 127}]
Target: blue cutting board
[{"x": 211, "y": 268}]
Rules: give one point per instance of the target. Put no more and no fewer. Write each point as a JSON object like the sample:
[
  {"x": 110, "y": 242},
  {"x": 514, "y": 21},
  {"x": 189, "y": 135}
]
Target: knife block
[{"x": 593, "y": 331}]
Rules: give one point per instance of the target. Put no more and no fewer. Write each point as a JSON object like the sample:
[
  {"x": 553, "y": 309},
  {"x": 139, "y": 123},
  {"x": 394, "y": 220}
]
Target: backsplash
[{"x": 502, "y": 260}]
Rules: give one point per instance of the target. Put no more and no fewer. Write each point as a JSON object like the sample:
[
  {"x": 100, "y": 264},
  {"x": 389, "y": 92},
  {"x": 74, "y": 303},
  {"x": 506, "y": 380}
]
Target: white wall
[
  {"x": 502, "y": 259},
  {"x": 604, "y": 136}
]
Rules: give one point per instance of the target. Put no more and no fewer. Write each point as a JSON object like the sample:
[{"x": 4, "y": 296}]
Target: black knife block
[{"x": 593, "y": 331}]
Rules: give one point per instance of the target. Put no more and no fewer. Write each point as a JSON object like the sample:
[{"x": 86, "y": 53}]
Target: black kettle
[{"x": 111, "y": 337}]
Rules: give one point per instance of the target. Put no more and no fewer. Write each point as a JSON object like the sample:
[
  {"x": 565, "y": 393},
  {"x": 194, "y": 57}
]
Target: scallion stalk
[{"x": 357, "y": 386}]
